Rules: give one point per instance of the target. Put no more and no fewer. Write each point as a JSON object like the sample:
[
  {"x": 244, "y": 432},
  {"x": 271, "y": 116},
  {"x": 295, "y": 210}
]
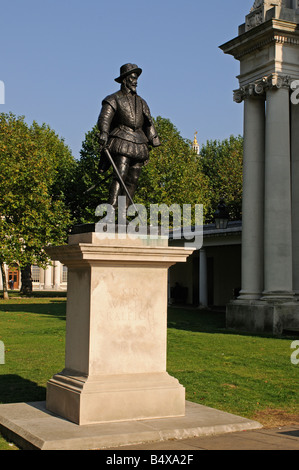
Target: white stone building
[
  {"x": 267, "y": 48},
  {"x": 211, "y": 277},
  {"x": 54, "y": 278}
]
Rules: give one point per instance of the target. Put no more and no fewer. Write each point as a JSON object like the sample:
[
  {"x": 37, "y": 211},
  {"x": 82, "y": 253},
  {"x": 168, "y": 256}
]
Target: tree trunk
[
  {"x": 4, "y": 282},
  {"x": 26, "y": 278}
]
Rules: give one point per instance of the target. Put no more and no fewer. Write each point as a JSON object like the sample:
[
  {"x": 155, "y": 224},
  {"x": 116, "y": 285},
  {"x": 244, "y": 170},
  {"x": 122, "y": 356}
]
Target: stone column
[
  {"x": 253, "y": 198},
  {"x": 57, "y": 275},
  {"x": 278, "y": 218},
  {"x": 295, "y": 193},
  {"x": 41, "y": 277},
  {"x": 203, "y": 279},
  {"x": 48, "y": 278}
]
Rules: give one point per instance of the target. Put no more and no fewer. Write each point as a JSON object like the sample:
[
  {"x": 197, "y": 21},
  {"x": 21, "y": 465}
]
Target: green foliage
[
  {"x": 61, "y": 163},
  {"x": 172, "y": 175},
  {"x": 175, "y": 174},
  {"x": 90, "y": 187},
  {"x": 35, "y": 166},
  {"x": 222, "y": 163}
]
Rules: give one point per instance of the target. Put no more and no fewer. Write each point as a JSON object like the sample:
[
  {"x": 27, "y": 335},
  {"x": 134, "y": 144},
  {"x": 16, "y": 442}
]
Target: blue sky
[{"x": 59, "y": 59}]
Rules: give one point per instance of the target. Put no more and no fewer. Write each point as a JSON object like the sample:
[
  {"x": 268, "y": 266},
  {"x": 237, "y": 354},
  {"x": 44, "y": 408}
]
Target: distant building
[
  {"x": 195, "y": 145},
  {"x": 54, "y": 277},
  {"x": 211, "y": 277}
]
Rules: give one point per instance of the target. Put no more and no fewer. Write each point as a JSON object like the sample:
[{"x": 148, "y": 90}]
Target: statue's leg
[
  {"x": 116, "y": 189},
  {"x": 132, "y": 180}
]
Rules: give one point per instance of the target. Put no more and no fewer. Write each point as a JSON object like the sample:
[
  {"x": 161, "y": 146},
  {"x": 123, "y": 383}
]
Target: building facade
[
  {"x": 53, "y": 278},
  {"x": 211, "y": 277},
  {"x": 267, "y": 49}
]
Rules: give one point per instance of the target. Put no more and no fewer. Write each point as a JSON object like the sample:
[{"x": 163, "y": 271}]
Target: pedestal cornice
[
  {"x": 271, "y": 32},
  {"x": 88, "y": 254}
]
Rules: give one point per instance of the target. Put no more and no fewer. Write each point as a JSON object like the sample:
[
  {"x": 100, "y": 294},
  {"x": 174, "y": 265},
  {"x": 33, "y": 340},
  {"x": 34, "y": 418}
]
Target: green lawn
[{"x": 244, "y": 374}]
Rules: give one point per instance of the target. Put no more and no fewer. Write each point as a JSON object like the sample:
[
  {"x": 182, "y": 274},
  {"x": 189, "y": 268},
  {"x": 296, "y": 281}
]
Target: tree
[
  {"x": 89, "y": 187},
  {"x": 175, "y": 174},
  {"x": 172, "y": 175},
  {"x": 222, "y": 164},
  {"x": 35, "y": 166},
  {"x": 4, "y": 282}
]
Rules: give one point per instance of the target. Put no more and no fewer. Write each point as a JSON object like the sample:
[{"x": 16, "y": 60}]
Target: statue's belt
[{"x": 127, "y": 133}]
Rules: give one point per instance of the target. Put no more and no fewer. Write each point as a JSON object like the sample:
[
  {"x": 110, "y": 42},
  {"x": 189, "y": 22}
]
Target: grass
[
  {"x": 33, "y": 332},
  {"x": 243, "y": 374},
  {"x": 248, "y": 375}
]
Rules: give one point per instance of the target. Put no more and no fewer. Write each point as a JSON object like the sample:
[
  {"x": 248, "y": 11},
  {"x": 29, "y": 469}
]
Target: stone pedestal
[
  {"x": 116, "y": 331},
  {"x": 263, "y": 316}
]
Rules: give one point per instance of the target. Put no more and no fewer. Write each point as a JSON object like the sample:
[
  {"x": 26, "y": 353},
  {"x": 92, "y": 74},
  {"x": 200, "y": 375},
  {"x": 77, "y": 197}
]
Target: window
[
  {"x": 35, "y": 273},
  {"x": 64, "y": 274}
]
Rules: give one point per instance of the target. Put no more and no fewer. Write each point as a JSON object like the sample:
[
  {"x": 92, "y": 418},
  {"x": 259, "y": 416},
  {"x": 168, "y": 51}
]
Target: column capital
[
  {"x": 275, "y": 80},
  {"x": 259, "y": 87}
]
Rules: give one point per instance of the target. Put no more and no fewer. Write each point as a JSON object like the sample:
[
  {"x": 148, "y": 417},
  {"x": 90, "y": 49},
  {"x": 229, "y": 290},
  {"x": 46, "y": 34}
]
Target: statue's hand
[
  {"x": 103, "y": 139},
  {"x": 156, "y": 142}
]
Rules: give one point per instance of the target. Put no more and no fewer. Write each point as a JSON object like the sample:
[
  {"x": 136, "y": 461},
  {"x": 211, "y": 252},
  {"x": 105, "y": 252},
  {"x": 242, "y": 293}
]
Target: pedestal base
[
  {"x": 104, "y": 399},
  {"x": 31, "y": 426},
  {"x": 262, "y": 317}
]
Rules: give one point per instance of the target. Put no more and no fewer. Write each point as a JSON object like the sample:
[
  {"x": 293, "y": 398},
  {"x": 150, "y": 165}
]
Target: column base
[
  {"x": 279, "y": 296},
  {"x": 102, "y": 399},
  {"x": 249, "y": 295},
  {"x": 262, "y": 316}
]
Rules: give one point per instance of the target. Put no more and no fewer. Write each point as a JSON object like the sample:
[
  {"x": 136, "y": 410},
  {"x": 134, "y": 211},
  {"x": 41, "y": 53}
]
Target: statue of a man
[{"x": 126, "y": 130}]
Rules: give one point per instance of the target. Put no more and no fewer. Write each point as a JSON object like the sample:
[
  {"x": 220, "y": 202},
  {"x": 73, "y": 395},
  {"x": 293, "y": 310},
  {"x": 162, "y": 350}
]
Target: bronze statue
[{"x": 126, "y": 132}]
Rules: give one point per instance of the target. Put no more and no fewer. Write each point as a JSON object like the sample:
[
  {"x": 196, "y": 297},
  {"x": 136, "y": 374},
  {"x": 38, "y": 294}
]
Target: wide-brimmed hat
[{"x": 126, "y": 70}]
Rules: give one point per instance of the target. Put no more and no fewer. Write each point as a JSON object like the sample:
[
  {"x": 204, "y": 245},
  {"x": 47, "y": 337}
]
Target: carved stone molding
[
  {"x": 257, "y": 4},
  {"x": 258, "y": 12},
  {"x": 270, "y": 39},
  {"x": 259, "y": 87},
  {"x": 277, "y": 81},
  {"x": 254, "y": 19}
]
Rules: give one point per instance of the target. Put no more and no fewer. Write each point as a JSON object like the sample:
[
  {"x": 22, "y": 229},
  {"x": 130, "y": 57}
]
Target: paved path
[{"x": 285, "y": 438}]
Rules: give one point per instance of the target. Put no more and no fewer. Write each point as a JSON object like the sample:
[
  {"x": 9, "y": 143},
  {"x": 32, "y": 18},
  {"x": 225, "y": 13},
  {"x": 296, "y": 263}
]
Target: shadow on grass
[
  {"x": 196, "y": 320},
  {"x": 13, "y": 294},
  {"x": 53, "y": 307},
  {"x": 47, "y": 294},
  {"x": 209, "y": 321},
  {"x": 16, "y": 389}
]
